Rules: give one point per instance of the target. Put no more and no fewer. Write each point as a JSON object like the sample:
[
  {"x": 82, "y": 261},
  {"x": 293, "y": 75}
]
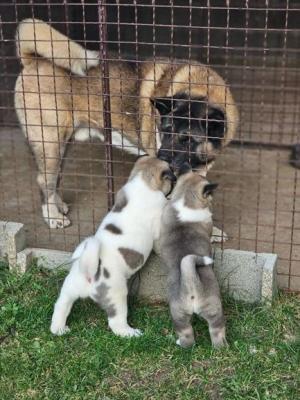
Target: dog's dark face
[{"x": 190, "y": 130}]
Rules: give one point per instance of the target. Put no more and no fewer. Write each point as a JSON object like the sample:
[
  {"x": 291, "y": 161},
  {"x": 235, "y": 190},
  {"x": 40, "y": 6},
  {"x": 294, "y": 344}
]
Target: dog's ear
[
  {"x": 162, "y": 104},
  {"x": 209, "y": 188},
  {"x": 184, "y": 168}
]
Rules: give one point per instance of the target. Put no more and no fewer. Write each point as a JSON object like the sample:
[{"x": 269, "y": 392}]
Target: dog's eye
[{"x": 183, "y": 138}]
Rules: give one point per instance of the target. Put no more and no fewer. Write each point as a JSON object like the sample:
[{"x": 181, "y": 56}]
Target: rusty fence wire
[{"x": 253, "y": 45}]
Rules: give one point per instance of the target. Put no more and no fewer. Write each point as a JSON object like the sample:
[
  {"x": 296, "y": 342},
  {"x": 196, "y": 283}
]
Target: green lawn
[{"x": 262, "y": 361}]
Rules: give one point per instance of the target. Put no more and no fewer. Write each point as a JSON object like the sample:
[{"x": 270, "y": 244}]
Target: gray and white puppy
[{"x": 185, "y": 248}]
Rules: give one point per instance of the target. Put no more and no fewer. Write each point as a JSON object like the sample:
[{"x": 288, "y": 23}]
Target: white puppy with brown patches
[{"x": 102, "y": 264}]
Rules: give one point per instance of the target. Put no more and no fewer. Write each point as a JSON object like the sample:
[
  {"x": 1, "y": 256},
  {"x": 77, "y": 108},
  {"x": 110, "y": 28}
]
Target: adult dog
[{"x": 58, "y": 94}]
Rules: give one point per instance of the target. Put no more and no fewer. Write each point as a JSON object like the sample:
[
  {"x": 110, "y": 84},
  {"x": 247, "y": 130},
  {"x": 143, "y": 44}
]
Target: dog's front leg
[
  {"x": 48, "y": 160},
  {"x": 117, "y": 309}
]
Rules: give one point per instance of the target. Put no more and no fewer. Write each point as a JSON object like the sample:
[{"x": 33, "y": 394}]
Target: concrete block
[
  {"x": 246, "y": 275},
  {"x": 12, "y": 241},
  {"x": 243, "y": 275},
  {"x": 24, "y": 259},
  {"x": 45, "y": 258},
  {"x": 152, "y": 280}
]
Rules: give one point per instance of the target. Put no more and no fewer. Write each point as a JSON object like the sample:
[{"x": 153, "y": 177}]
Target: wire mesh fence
[{"x": 85, "y": 125}]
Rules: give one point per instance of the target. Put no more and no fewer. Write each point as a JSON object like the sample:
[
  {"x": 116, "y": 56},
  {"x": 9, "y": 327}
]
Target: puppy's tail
[
  {"x": 190, "y": 280},
  {"x": 36, "y": 38},
  {"x": 88, "y": 255}
]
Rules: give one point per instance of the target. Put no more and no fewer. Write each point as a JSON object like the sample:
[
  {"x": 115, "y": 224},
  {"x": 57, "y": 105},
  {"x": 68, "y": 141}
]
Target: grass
[{"x": 262, "y": 361}]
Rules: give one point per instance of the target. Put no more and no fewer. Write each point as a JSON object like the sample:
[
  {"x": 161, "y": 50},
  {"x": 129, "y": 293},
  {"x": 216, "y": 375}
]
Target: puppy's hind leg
[
  {"x": 62, "y": 309},
  {"x": 112, "y": 297},
  {"x": 216, "y": 325},
  {"x": 182, "y": 325}
]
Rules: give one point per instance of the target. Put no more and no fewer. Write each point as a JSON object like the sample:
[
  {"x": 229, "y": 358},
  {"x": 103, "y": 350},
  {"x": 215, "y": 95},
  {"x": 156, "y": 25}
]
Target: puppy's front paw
[
  {"x": 59, "y": 330},
  {"x": 185, "y": 343},
  {"x": 219, "y": 343},
  {"x": 128, "y": 332}
]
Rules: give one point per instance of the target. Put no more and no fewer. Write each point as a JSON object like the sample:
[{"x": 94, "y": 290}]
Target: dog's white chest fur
[
  {"x": 118, "y": 139},
  {"x": 186, "y": 214}
]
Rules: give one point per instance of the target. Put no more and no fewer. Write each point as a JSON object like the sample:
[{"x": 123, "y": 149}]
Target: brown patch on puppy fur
[
  {"x": 133, "y": 258},
  {"x": 155, "y": 172},
  {"x": 104, "y": 301},
  {"x": 113, "y": 229}
]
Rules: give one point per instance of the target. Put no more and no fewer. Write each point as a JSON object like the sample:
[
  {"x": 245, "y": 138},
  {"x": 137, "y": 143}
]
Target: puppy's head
[
  {"x": 190, "y": 129},
  {"x": 195, "y": 188},
  {"x": 156, "y": 173}
]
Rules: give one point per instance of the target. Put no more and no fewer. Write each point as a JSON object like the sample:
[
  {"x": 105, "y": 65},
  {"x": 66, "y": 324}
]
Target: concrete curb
[
  {"x": 12, "y": 241},
  {"x": 244, "y": 275}
]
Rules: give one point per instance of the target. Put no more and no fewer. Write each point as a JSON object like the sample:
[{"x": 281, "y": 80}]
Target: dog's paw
[
  {"x": 63, "y": 208},
  {"x": 218, "y": 236},
  {"x": 218, "y": 344},
  {"x": 59, "y": 330},
  {"x": 128, "y": 332},
  {"x": 79, "y": 67},
  {"x": 54, "y": 218},
  {"x": 58, "y": 223},
  {"x": 185, "y": 343}
]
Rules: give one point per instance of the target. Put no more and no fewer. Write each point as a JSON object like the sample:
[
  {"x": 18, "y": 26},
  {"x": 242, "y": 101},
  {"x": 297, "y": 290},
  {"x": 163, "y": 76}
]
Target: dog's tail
[
  {"x": 36, "y": 38},
  {"x": 190, "y": 280},
  {"x": 88, "y": 256}
]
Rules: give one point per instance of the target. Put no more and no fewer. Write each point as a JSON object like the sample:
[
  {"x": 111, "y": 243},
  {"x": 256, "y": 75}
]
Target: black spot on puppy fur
[
  {"x": 98, "y": 272},
  {"x": 133, "y": 258},
  {"x": 113, "y": 229},
  {"x": 106, "y": 273}
]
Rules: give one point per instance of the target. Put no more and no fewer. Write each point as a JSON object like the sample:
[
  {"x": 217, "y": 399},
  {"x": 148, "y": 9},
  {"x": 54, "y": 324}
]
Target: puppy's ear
[
  {"x": 209, "y": 188},
  {"x": 168, "y": 174},
  {"x": 184, "y": 168},
  {"x": 163, "y": 105},
  {"x": 204, "y": 169}
]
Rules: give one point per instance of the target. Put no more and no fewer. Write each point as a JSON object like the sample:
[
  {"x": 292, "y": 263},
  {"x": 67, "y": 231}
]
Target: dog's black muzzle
[{"x": 176, "y": 158}]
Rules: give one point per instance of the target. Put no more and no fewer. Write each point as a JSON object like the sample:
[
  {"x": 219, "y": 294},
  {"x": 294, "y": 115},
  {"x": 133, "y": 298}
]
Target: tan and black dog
[{"x": 177, "y": 108}]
